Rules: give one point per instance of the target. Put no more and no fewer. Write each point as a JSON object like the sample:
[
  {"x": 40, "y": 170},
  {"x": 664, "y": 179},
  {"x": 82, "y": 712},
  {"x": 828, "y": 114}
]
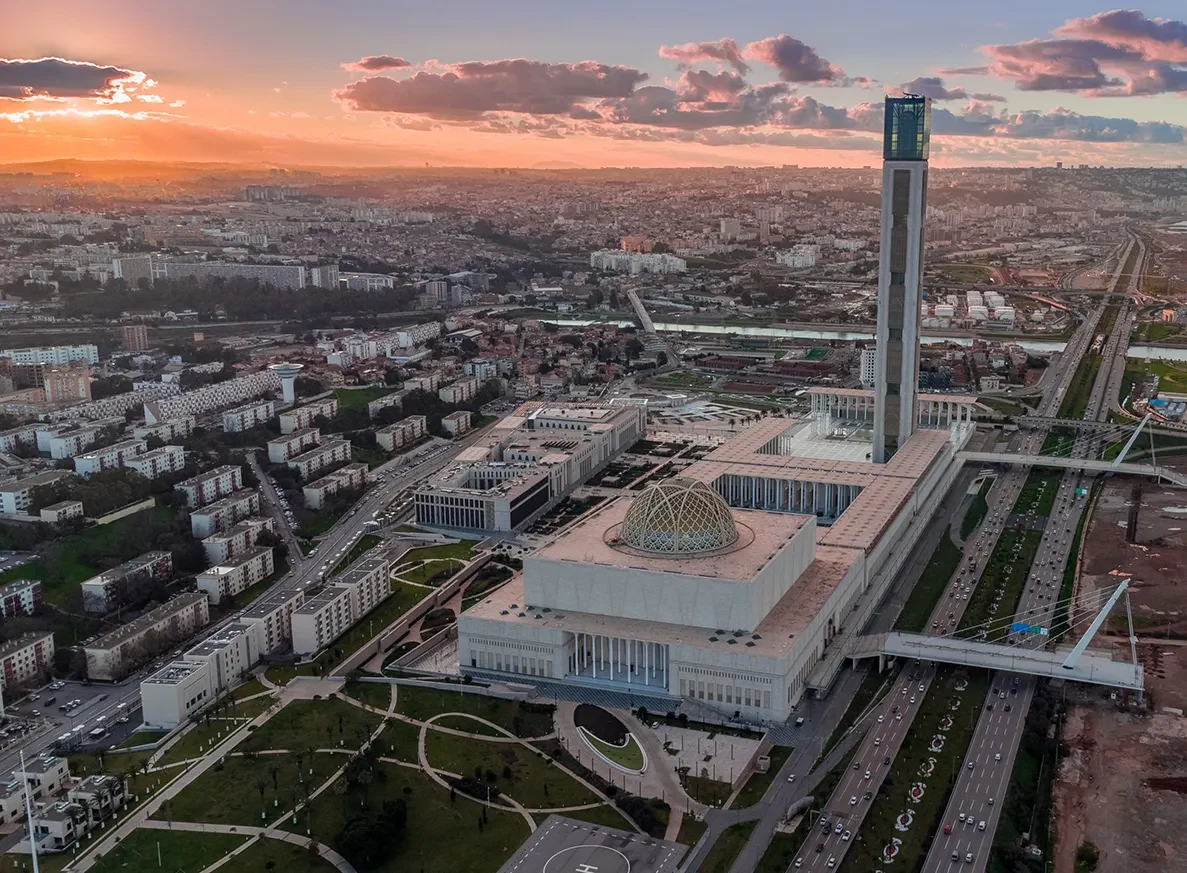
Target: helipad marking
[{"x": 587, "y": 868}]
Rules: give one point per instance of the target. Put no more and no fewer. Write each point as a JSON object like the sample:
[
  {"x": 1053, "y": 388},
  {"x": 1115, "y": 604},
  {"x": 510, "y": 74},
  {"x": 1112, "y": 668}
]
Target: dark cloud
[
  {"x": 964, "y": 71},
  {"x": 1113, "y": 54},
  {"x": 699, "y": 86},
  {"x": 476, "y": 87},
  {"x": 58, "y": 78},
  {"x": 658, "y": 106},
  {"x": 376, "y": 63},
  {"x": 933, "y": 87},
  {"x": 724, "y": 51},
  {"x": 795, "y": 61}
]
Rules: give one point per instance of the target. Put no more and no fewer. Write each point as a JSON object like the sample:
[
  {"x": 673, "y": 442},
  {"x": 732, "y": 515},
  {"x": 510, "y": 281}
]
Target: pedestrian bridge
[
  {"x": 1162, "y": 474},
  {"x": 1092, "y": 667}
]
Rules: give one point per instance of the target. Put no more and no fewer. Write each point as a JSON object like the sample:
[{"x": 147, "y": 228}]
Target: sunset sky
[{"x": 612, "y": 83}]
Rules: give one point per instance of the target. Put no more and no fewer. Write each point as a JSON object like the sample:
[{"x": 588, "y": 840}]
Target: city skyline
[{"x": 537, "y": 86}]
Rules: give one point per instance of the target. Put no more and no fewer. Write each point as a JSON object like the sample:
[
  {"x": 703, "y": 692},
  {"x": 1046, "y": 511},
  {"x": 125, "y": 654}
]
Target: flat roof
[
  {"x": 763, "y": 534},
  {"x": 23, "y": 641},
  {"x": 319, "y": 601},
  {"x": 228, "y": 501},
  {"x": 295, "y": 435},
  {"x": 173, "y": 673},
  {"x": 154, "y": 616},
  {"x": 46, "y": 478},
  {"x": 265, "y": 606},
  {"x": 324, "y": 448},
  {"x": 235, "y": 563},
  {"x": 210, "y": 474},
  {"x": 238, "y": 528}
]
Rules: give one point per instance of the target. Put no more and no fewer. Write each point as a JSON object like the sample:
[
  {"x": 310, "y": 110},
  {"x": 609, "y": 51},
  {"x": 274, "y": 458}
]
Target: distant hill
[{"x": 557, "y": 165}]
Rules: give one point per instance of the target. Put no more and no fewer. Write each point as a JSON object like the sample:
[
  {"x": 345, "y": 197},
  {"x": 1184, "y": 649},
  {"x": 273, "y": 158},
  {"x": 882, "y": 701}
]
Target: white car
[
  {"x": 852, "y": 802},
  {"x": 998, "y": 756}
]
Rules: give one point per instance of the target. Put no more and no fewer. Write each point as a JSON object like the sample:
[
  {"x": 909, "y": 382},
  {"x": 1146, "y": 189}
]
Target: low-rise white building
[
  {"x": 221, "y": 514},
  {"x": 25, "y": 434},
  {"x": 310, "y": 463},
  {"x": 228, "y": 655},
  {"x": 403, "y": 432},
  {"x": 303, "y": 416},
  {"x": 342, "y": 479},
  {"x": 158, "y": 462},
  {"x": 210, "y": 486},
  {"x": 236, "y": 539},
  {"x": 322, "y": 619},
  {"x": 16, "y": 495},
  {"x": 174, "y": 428},
  {"x": 63, "y": 510},
  {"x": 119, "y": 652},
  {"x": 248, "y": 415},
  {"x": 461, "y": 391},
  {"x": 292, "y": 444},
  {"x": 456, "y": 423},
  {"x": 272, "y": 619},
  {"x": 238, "y": 574},
  {"x": 111, "y": 457},
  {"x": 176, "y": 692}
]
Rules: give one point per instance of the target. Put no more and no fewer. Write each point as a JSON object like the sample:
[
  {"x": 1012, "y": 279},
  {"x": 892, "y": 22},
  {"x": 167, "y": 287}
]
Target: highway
[{"x": 965, "y": 841}]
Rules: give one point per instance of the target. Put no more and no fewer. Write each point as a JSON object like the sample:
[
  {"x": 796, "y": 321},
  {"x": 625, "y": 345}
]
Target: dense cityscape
[{"x": 706, "y": 519}]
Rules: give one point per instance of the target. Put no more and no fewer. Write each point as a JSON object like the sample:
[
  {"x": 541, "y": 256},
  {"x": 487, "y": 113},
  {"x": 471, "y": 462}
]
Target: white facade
[
  {"x": 158, "y": 462},
  {"x": 103, "y": 592},
  {"x": 25, "y": 434},
  {"x": 461, "y": 391},
  {"x": 119, "y": 652},
  {"x": 176, "y": 692},
  {"x": 456, "y": 423},
  {"x": 249, "y": 415},
  {"x": 221, "y": 514},
  {"x": 350, "y": 476},
  {"x": 633, "y": 263},
  {"x": 869, "y": 366},
  {"x": 271, "y": 619},
  {"x": 292, "y": 444},
  {"x": 239, "y": 574},
  {"x": 211, "y": 486},
  {"x": 405, "y": 431},
  {"x": 303, "y": 416},
  {"x": 324, "y": 618},
  {"x": 315, "y": 460},
  {"x": 175, "y": 428},
  {"x": 235, "y": 540},
  {"x": 67, "y": 444},
  {"x": 53, "y": 354},
  {"x": 227, "y": 655},
  {"x": 25, "y": 658},
  {"x": 212, "y": 397},
  {"x": 16, "y": 495},
  {"x": 112, "y": 457}
]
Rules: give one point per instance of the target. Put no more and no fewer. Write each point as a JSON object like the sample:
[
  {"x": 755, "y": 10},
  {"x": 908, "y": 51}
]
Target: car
[
  {"x": 819, "y": 848},
  {"x": 991, "y": 801},
  {"x": 867, "y": 795},
  {"x": 912, "y": 699},
  {"x": 968, "y": 859},
  {"x": 970, "y": 765},
  {"x": 852, "y": 802},
  {"x": 845, "y": 836},
  {"x": 867, "y": 776},
  {"x": 956, "y": 856},
  {"x": 832, "y": 861},
  {"x": 898, "y": 716},
  {"x": 35, "y": 713},
  {"x": 989, "y": 707},
  {"x": 1002, "y": 695},
  {"x": 799, "y": 722},
  {"x": 839, "y": 828},
  {"x": 1008, "y": 707},
  {"x": 947, "y": 828},
  {"x": 998, "y": 756},
  {"x": 980, "y": 825},
  {"x": 799, "y": 862},
  {"x": 34, "y": 696},
  {"x": 886, "y": 761},
  {"x": 961, "y": 817},
  {"x": 881, "y": 719},
  {"x": 857, "y": 765},
  {"x": 920, "y": 687}
]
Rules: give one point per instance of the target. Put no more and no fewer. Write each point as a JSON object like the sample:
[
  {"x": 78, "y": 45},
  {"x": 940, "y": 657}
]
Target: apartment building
[
  {"x": 112, "y": 457},
  {"x": 25, "y": 659},
  {"x": 174, "y": 693},
  {"x": 396, "y": 398},
  {"x": 238, "y": 574},
  {"x": 221, "y": 514},
  {"x": 67, "y": 384},
  {"x": 292, "y": 444},
  {"x": 116, "y": 586},
  {"x": 135, "y": 337},
  {"x": 45, "y": 775},
  {"x": 211, "y": 397},
  {"x": 23, "y": 435},
  {"x": 158, "y": 462},
  {"x": 22, "y": 597},
  {"x": 342, "y": 479},
  {"x": 303, "y": 416},
  {"x": 456, "y": 423},
  {"x": 173, "y": 429},
  {"x": 236, "y": 539},
  {"x": 248, "y": 415},
  {"x": 277, "y": 275},
  {"x": 63, "y": 510},
  {"x": 205, "y": 488},
  {"x": 403, "y": 432},
  {"x": 461, "y": 391},
  {"x": 87, "y": 353},
  {"x": 16, "y": 495},
  {"x": 427, "y": 382},
  {"x": 272, "y": 619},
  {"x": 101, "y": 795},
  {"x": 312, "y": 462},
  {"x": 68, "y": 442},
  {"x": 418, "y": 334},
  {"x": 324, "y": 618},
  {"x": 227, "y": 655},
  {"x": 121, "y": 651}
]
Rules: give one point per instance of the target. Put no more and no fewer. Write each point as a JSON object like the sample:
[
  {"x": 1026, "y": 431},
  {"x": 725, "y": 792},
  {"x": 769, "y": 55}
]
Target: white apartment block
[
  {"x": 111, "y": 457},
  {"x": 53, "y": 355},
  {"x": 63, "y": 510},
  {"x": 221, "y": 514},
  {"x": 239, "y": 574},
  {"x": 427, "y": 382},
  {"x": 21, "y": 597},
  {"x": 418, "y": 334},
  {"x": 272, "y": 619},
  {"x": 248, "y": 415},
  {"x": 238, "y": 538},
  {"x": 618, "y": 261},
  {"x": 324, "y": 618},
  {"x": 396, "y": 398},
  {"x": 25, "y": 434},
  {"x": 175, "y": 428},
  {"x": 103, "y": 592},
  {"x": 456, "y": 423},
  {"x": 303, "y": 416},
  {"x": 869, "y": 365},
  {"x": 405, "y": 431},
  {"x": 68, "y": 443},
  {"x": 25, "y": 658},
  {"x": 212, "y": 397},
  {"x": 228, "y": 654},
  {"x": 325, "y": 455},
  {"x": 213, "y": 485},
  {"x": 16, "y": 495},
  {"x": 278, "y": 275},
  {"x": 116, "y": 654},
  {"x": 158, "y": 462},
  {"x": 461, "y": 391},
  {"x": 292, "y": 444},
  {"x": 176, "y": 692},
  {"x": 119, "y": 404},
  {"x": 350, "y": 476}
]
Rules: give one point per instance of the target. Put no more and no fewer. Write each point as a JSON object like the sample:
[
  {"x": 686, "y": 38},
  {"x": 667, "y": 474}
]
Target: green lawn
[
  {"x": 358, "y": 398},
  {"x": 995, "y": 598},
  {"x": 400, "y": 737},
  {"x": 727, "y": 848},
  {"x": 231, "y": 795},
  {"x": 372, "y": 457},
  {"x": 142, "y": 738},
  {"x": 522, "y": 719},
  {"x": 365, "y": 543},
  {"x": 376, "y": 694},
  {"x": 629, "y": 755},
  {"x": 1076, "y": 399},
  {"x": 402, "y": 599},
  {"x": 534, "y": 780},
  {"x": 779, "y": 855},
  {"x": 758, "y": 783},
  {"x": 917, "y": 611},
  {"x": 427, "y": 572},
  {"x": 179, "y": 851},
  {"x": 441, "y": 835},
  {"x": 707, "y": 790},
  {"x": 605, "y": 815},
  {"x": 283, "y": 856},
  {"x": 465, "y": 723},
  {"x": 248, "y": 688},
  {"x": 1039, "y": 492},
  {"x": 319, "y": 724},
  {"x": 463, "y": 550},
  {"x": 200, "y": 740},
  {"x": 690, "y": 830}
]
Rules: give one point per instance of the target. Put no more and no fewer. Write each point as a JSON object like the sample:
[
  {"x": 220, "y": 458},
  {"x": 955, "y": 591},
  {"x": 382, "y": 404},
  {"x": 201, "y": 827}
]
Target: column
[
  {"x": 595, "y": 657},
  {"x": 646, "y": 665}
]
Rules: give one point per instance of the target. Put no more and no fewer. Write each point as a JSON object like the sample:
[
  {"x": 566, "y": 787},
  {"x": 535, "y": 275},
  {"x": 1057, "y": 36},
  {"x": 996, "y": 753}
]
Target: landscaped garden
[
  {"x": 609, "y": 738},
  {"x": 522, "y": 719}
]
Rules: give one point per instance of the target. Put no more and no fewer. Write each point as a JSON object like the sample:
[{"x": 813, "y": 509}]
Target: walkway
[{"x": 323, "y": 850}]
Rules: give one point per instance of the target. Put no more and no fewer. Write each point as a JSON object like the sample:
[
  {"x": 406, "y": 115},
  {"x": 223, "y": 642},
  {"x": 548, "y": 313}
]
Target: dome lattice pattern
[{"x": 679, "y": 517}]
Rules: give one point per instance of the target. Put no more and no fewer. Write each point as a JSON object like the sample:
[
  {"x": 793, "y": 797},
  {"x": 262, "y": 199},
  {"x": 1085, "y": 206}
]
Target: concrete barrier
[{"x": 131, "y": 509}]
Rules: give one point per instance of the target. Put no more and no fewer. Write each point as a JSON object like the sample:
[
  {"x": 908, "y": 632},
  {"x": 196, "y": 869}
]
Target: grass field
[
  {"x": 929, "y": 589},
  {"x": 442, "y": 835},
  {"x": 629, "y": 755},
  {"x": 727, "y": 848},
  {"x": 1075, "y": 401},
  {"x": 521, "y": 719},
  {"x": 376, "y": 694},
  {"x": 426, "y": 572},
  {"x": 179, "y": 851},
  {"x": 995, "y": 598},
  {"x": 758, "y": 783},
  {"x": 320, "y": 724},
  {"x": 266, "y": 854},
  {"x": 1039, "y": 492},
  {"x": 358, "y": 398},
  {"x": 707, "y": 790},
  {"x": 142, "y": 738},
  {"x": 779, "y": 854},
  {"x": 463, "y": 550},
  {"x": 521, "y": 773},
  {"x": 690, "y": 831}
]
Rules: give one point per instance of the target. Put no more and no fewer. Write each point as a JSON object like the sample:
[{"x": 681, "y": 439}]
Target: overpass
[
  {"x": 644, "y": 319},
  {"x": 1162, "y": 474},
  {"x": 1092, "y": 667},
  {"x": 1043, "y": 422}
]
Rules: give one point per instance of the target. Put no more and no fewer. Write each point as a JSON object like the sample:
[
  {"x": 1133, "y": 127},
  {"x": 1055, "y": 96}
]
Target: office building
[
  {"x": 158, "y": 462},
  {"x": 210, "y": 486},
  {"x": 126, "y": 584},
  {"x": 22, "y": 597},
  {"x": 905, "y": 147},
  {"x": 135, "y": 337},
  {"x": 292, "y": 444},
  {"x": 248, "y": 415},
  {"x": 322, "y": 619},
  {"x": 236, "y": 539},
  {"x": 221, "y": 514},
  {"x": 456, "y": 423},
  {"x": 113, "y": 457},
  {"x": 342, "y": 479},
  {"x": 60, "y": 355},
  {"x": 237, "y": 574},
  {"x": 271, "y": 619},
  {"x": 303, "y": 416},
  {"x": 67, "y": 385},
  {"x": 529, "y": 462},
  {"x": 114, "y": 655},
  {"x": 16, "y": 495},
  {"x": 310, "y": 463},
  {"x": 403, "y": 432},
  {"x": 25, "y": 660}
]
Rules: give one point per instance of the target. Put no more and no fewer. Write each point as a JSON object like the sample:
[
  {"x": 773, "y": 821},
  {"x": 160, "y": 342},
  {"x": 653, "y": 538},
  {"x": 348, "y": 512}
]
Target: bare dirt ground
[{"x": 1124, "y": 785}]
